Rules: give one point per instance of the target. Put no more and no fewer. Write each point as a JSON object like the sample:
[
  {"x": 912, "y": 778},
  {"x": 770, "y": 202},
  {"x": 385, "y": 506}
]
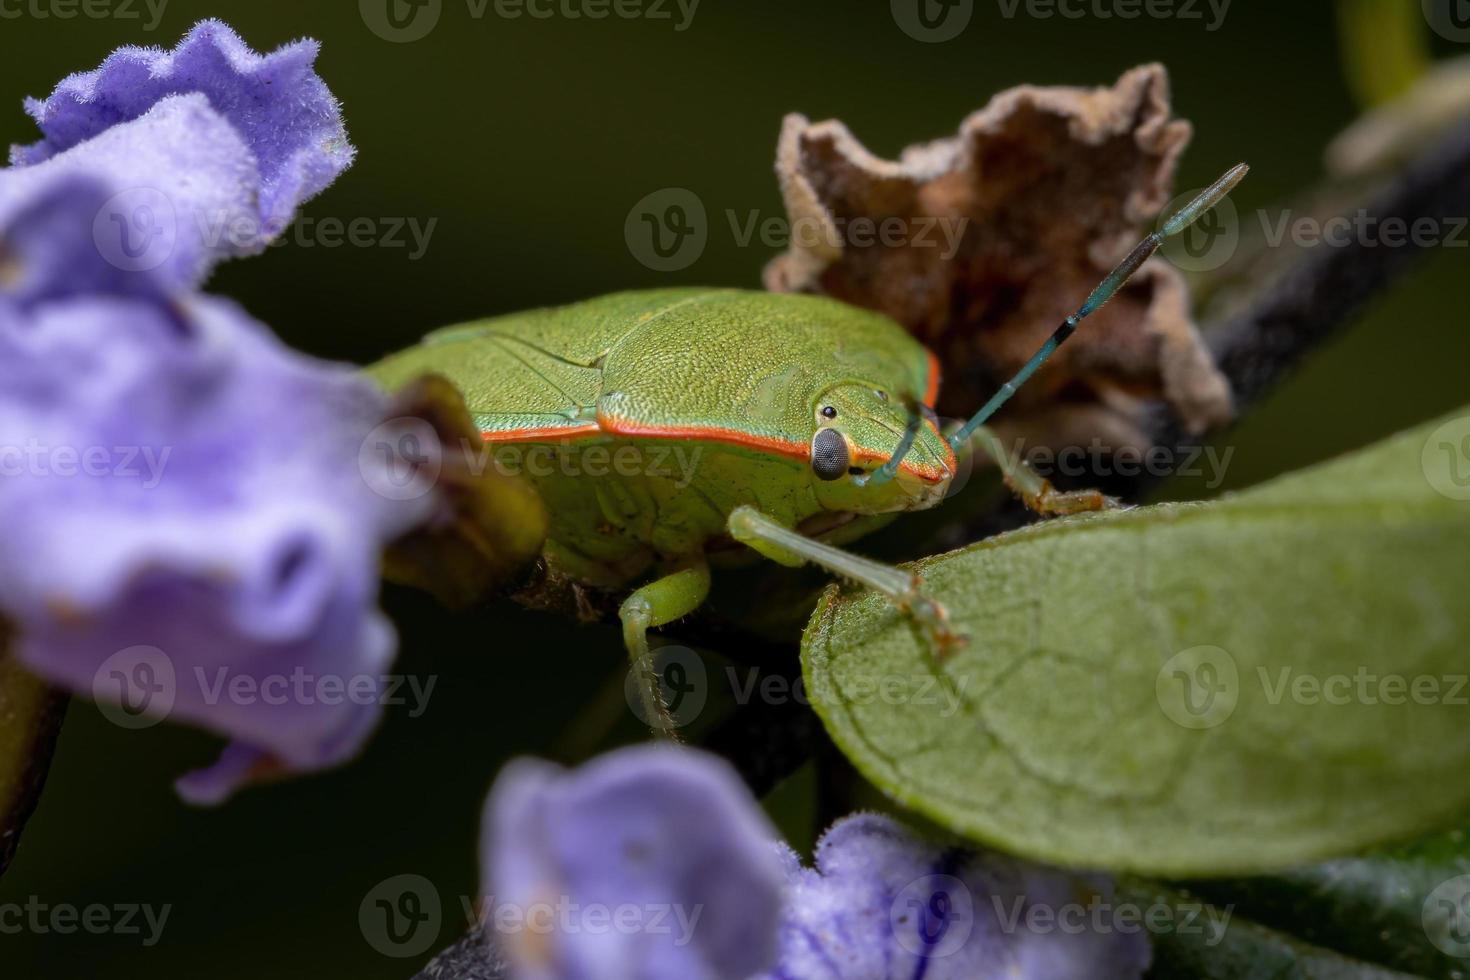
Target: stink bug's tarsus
[{"x": 808, "y": 421}]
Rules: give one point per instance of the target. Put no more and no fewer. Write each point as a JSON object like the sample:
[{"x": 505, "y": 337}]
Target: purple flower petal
[
  {"x": 49, "y": 249},
  {"x": 193, "y": 528},
  {"x": 881, "y": 903},
  {"x": 182, "y": 191},
  {"x": 210, "y": 147},
  {"x": 284, "y": 111},
  {"x": 670, "y": 836}
]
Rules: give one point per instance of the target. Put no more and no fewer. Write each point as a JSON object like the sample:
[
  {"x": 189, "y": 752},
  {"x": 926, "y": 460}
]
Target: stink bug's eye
[
  {"x": 882, "y": 395},
  {"x": 828, "y": 412},
  {"x": 829, "y": 454}
]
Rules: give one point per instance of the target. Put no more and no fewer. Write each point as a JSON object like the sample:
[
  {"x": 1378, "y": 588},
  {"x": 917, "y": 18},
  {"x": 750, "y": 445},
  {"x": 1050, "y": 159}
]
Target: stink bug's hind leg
[
  {"x": 781, "y": 544},
  {"x": 661, "y": 601},
  {"x": 1036, "y": 491}
]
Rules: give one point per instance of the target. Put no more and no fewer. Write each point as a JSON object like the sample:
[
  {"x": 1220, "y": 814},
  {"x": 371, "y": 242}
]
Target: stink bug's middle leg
[
  {"x": 781, "y": 544},
  {"x": 661, "y": 601},
  {"x": 1035, "y": 491}
]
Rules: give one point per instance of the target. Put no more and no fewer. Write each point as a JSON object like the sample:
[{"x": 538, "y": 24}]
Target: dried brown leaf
[{"x": 1045, "y": 190}]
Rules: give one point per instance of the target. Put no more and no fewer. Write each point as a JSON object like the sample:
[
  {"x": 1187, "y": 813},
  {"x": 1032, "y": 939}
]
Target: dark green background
[{"x": 530, "y": 141}]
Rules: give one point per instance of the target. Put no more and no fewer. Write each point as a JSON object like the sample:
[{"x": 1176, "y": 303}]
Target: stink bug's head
[{"x": 857, "y": 430}]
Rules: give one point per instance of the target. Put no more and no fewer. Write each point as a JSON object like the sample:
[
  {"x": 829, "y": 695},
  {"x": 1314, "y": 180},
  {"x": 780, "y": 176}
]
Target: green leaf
[
  {"x": 1406, "y": 907},
  {"x": 30, "y": 718},
  {"x": 1186, "y": 689},
  {"x": 1244, "y": 950}
]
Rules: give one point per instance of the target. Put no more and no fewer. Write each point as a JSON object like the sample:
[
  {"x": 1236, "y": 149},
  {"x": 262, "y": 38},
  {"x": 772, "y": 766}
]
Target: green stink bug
[{"x": 806, "y": 420}]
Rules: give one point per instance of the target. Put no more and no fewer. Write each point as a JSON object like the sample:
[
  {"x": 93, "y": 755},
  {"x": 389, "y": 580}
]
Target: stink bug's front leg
[
  {"x": 1035, "y": 491},
  {"x": 664, "y": 600},
  {"x": 781, "y": 544}
]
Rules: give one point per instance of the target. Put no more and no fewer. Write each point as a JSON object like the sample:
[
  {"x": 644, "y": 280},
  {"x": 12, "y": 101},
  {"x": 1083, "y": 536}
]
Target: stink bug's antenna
[
  {"x": 1207, "y": 199},
  {"x": 889, "y": 469}
]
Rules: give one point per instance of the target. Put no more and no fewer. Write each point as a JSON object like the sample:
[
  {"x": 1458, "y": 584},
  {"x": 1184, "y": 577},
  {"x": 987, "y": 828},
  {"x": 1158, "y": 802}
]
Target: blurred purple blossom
[
  {"x": 669, "y": 836},
  {"x": 882, "y": 903},
  {"x": 207, "y": 149},
  {"x": 671, "y": 829},
  {"x": 195, "y": 517}
]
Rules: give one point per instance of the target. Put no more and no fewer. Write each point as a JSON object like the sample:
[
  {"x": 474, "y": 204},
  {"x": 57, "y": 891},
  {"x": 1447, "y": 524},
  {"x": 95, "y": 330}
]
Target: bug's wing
[
  {"x": 513, "y": 389},
  {"x": 712, "y": 374},
  {"x": 538, "y": 373},
  {"x": 753, "y": 364}
]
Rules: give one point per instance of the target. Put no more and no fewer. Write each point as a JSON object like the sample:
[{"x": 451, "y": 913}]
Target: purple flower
[
  {"x": 195, "y": 513},
  {"x": 883, "y": 904},
  {"x": 208, "y": 149},
  {"x": 672, "y": 837},
  {"x": 652, "y": 863}
]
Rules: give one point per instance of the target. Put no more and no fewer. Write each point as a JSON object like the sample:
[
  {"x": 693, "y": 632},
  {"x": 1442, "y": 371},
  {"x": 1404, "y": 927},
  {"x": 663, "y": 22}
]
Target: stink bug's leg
[
  {"x": 781, "y": 544},
  {"x": 661, "y": 601},
  {"x": 1036, "y": 492},
  {"x": 1207, "y": 199}
]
